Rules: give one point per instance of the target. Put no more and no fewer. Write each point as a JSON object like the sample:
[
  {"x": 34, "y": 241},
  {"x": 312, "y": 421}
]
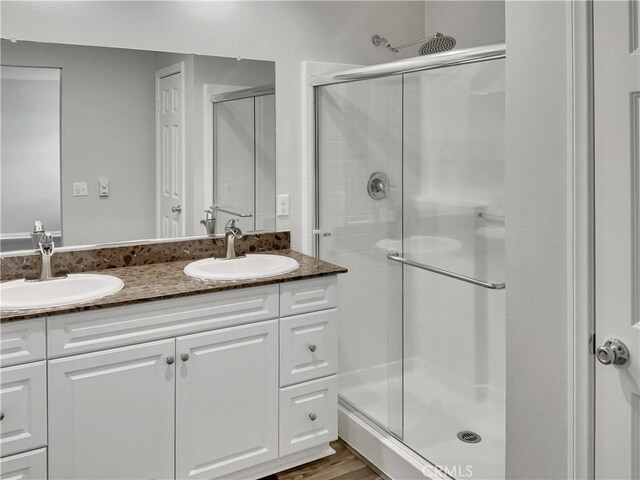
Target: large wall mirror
[{"x": 106, "y": 145}]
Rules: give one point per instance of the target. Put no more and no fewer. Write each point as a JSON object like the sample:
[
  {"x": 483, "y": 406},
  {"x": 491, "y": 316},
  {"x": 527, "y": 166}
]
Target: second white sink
[{"x": 244, "y": 268}]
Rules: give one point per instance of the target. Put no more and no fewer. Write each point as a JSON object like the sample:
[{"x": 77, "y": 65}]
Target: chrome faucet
[
  {"x": 231, "y": 232},
  {"x": 209, "y": 221},
  {"x": 45, "y": 244}
]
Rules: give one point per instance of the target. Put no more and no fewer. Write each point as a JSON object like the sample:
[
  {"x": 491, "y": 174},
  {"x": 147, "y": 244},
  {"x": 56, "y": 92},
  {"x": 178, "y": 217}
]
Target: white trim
[
  {"x": 160, "y": 74},
  {"x": 580, "y": 243},
  {"x": 207, "y": 92},
  {"x": 383, "y": 450}
]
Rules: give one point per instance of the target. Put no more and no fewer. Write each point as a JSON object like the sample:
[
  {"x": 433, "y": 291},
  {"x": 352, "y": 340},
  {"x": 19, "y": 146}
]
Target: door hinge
[{"x": 592, "y": 344}]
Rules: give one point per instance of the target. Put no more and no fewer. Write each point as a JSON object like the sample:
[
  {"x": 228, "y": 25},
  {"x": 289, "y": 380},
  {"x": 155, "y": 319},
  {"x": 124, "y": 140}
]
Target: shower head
[
  {"x": 437, "y": 44},
  {"x": 434, "y": 44}
]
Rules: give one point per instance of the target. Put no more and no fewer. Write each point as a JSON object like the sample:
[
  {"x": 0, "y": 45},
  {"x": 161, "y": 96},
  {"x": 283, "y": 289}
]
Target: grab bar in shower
[{"x": 492, "y": 286}]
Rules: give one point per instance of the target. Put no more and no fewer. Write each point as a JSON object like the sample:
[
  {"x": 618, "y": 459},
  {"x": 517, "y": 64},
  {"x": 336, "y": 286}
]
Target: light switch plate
[
  {"x": 282, "y": 207},
  {"x": 103, "y": 187},
  {"x": 80, "y": 189}
]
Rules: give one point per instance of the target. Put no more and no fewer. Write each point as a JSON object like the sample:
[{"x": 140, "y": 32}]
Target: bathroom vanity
[{"x": 224, "y": 380}]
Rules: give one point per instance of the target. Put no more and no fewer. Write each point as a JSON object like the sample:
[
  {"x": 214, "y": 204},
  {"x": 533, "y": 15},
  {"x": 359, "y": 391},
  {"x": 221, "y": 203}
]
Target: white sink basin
[
  {"x": 251, "y": 266},
  {"x": 76, "y": 288}
]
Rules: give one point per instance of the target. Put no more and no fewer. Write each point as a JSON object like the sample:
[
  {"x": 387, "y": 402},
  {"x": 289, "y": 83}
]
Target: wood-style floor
[{"x": 344, "y": 465}]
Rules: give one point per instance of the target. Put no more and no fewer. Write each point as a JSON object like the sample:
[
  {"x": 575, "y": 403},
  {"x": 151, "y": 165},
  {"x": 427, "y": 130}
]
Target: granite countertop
[{"x": 159, "y": 281}]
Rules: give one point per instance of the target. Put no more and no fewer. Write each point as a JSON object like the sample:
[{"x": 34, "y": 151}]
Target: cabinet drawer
[
  {"x": 308, "y": 415},
  {"x": 308, "y": 295},
  {"x": 308, "y": 346},
  {"x": 23, "y": 399},
  {"x": 22, "y": 341},
  {"x": 114, "y": 327},
  {"x": 25, "y": 466}
]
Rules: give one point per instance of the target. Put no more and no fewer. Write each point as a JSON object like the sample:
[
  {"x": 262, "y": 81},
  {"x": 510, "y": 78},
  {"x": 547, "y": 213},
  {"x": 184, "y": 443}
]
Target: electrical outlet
[
  {"x": 283, "y": 205},
  {"x": 80, "y": 189}
]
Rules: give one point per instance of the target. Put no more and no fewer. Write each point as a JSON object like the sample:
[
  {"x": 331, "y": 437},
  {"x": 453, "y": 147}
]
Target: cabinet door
[
  {"x": 111, "y": 413},
  {"x": 226, "y": 400},
  {"x": 25, "y": 466},
  {"x": 23, "y": 401}
]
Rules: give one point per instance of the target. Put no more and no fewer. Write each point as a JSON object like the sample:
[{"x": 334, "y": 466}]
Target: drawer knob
[
  {"x": 184, "y": 357},
  {"x": 313, "y": 417},
  {"x": 312, "y": 348},
  {"x": 1, "y": 416},
  {"x": 170, "y": 360}
]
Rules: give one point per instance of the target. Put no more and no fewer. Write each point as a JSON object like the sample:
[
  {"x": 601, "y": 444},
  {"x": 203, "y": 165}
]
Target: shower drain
[{"x": 469, "y": 437}]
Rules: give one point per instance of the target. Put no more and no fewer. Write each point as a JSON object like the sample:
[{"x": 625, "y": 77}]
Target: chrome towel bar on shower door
[{"x": 492, "y": 286}]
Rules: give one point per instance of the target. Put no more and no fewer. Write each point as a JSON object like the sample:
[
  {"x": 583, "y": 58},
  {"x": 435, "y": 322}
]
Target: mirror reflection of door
[
  {"x": 244, "y": 158},
  {"x": 170, "y": 152},
  {"x": 30, "y": 152}
]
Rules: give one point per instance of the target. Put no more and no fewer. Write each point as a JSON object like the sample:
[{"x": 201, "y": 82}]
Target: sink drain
[{"x": 469, "y": 437}]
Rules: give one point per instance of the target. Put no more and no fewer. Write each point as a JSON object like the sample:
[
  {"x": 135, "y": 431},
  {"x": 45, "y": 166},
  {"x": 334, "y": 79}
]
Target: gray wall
[
  {"x": 538, "y": 381},
  {"x": 108, "y": 129},
  {"x": 472, "y": 23}
]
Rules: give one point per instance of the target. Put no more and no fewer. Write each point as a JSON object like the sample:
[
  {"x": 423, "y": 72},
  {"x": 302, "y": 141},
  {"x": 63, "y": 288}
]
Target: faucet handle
[
  {"x": 38, "y": 227},
  {"x": 46, "y": 243}
]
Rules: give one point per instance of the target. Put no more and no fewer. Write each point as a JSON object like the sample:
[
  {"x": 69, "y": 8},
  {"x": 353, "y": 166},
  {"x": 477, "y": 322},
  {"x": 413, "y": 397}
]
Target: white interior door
[
  {"x": 170, "y": 162},
  {"x": 617, "y": 177}
]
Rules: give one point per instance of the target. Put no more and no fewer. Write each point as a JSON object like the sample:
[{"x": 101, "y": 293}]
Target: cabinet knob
[
  {"x": 1, "y": 416},
  {"x": 170, "y": 360},
  {"x": 312, "y": 417},
  {"x": 312, "y": 348},
  {"x": 184, "y": 357}
]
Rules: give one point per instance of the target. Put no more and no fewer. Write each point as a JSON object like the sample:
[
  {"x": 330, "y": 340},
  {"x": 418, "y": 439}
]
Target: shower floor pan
[{"x": 436, "y": 409}]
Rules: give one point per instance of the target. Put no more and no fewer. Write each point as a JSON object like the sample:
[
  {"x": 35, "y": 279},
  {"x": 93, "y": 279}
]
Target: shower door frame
[{"x": 411, "y": 65}]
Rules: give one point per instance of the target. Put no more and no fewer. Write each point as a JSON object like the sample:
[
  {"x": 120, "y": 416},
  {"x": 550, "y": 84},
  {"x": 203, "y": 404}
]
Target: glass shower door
[
  {"x": 360, "y": 135},
  {"x": 454, "y": 332}
]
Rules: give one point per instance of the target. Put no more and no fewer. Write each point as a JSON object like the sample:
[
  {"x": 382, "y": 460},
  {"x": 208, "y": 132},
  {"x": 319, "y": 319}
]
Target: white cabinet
[
  {"x": 23, "y": 404},
  {"x": 22, "y": 341},
  {"x": 231, "y": 385},
  {"x": 306, "y": 296},
  {"x": 226, "y": 400},
  {"x": 308, "y": 346},
  {"x": 308, "y": 415},
  {"x": 25, "y": 466},
  {"x": 111, "y": 413}
]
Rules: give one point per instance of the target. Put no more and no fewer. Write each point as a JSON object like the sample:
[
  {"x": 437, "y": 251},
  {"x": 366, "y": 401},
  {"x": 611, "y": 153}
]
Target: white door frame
[
  {"x": 581, "y": 233},
  {"x": 160, "y": 74}
]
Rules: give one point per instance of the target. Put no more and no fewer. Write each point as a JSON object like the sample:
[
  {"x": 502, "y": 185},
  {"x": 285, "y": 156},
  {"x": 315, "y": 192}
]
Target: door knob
[
  {"x": 613, "y": 351},
  {"x": 184, "y": 357},
  {"x": 312, "y": 417},
  {"x": 177, "y": 209},
  {"x": 312, "y": 348},
  {"x": 170, "y": 360}
]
